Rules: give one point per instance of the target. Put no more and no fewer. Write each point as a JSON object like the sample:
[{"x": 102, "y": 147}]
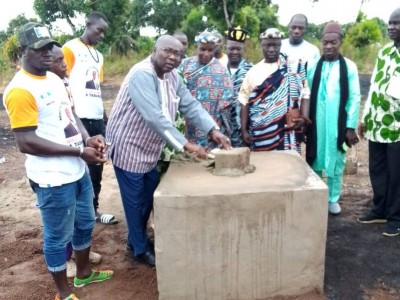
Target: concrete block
[
  {"x": 238, "y": 158},
  {"x": 250, "y": 237}
]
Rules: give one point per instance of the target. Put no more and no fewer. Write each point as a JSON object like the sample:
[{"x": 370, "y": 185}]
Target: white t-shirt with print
[
  {"x": 43, "y": 102},
  {"x": 85, "y": 72},
  {"x": 304, "y": 51}
]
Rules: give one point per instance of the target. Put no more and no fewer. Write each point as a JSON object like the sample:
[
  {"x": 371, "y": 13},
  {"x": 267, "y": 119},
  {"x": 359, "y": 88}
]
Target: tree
[
  {"x": 10, "y": 50},
  {"x": 16, "y": 23},
  {"x": 161, "y": 14},
  {"x": 382, "y": 26},
  {"x": 50, "y": 10},
  {"x": 364, "y": 33},
  {"x": 9, "y": 39},
  {"x": 226, "y": 10},
  {"x": 257, "y": 20},
  {"x": 194, "y": 23},
  {"x": 120, "y": 27}
]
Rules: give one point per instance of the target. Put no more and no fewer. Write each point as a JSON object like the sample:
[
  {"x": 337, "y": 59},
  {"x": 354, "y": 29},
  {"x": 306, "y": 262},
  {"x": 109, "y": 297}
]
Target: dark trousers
[
  {"x": 384, "y": 172},
  {"x": 137, "y": 190},
  {"x": 95, "y": 127}
]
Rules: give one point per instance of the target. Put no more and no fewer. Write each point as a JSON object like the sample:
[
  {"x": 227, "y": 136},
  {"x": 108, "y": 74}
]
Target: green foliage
[
  {"x": 10, "y": 49},
  {"x": 14, "y": 26},
  {"x": 268, "y": 16},
  {"x": 162, "y": 14},
  {"x": 139, "y": 13},
  {"x": 364, "y": 57},
  {"x": 50, "y": 10},
  {"x": 63, "y": 38},
  {"x": 145, "y": 44},
  {"x": 116, "y": 65},
  {"x": 117, "y": 13},
  {"x": 214, "y": 10},
  {"x": 170, "y": 14},
  {"x": 361, "y": 17},
  {"x": 124, "y": 44},
  {"x": 247, "y": 18},
  {"x": 194, "y": 23},
  {"x": 314, "y": 32},
  {"x": 382, "y": 26},
  {"x": 364, "y": 33}
]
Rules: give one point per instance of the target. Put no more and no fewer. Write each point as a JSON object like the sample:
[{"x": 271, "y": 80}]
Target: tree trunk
[
  {"x": 71, "y": 24},
  {"x": 228, "y": 24},
  {"x": 233, "y": 15}
]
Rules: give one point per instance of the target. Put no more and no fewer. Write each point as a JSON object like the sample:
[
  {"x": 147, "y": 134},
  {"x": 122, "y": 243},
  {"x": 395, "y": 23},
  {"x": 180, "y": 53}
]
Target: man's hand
[
  {"x": 93, "y": 156},
  {"x": 361, "y": 130},
  {"x": 97, "y": 142},
  {"x": 246, "y": 137},
  {"x": 220, "y": 139},
  {"x": 196, "y": 150},
  {"x": 351, "y": 137},
  {"x": 298, "y": 124}
]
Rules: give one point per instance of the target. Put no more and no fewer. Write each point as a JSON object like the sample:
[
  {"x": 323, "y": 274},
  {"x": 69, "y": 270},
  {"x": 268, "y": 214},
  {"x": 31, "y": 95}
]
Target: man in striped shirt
[{"x": 140, "y": 123}]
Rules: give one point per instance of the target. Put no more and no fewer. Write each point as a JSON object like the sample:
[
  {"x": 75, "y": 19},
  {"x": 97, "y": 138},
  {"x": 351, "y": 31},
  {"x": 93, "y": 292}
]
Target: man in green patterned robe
[{"x": 381, "y": 127}]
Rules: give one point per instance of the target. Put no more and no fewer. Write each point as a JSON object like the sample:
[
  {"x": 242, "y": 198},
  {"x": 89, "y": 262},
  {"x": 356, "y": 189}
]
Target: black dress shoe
[
  {"x": 131, "y": 249},
  {"x": 146, "y": 258}
]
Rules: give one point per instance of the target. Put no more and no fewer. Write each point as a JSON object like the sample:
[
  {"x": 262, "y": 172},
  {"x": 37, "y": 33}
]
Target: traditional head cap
[
  {"x": 272, "y": 33},
  {"x": 206, "y": 37},
  {"x": 237, "y": 34},
  {"x": 333, "y": 27},
  {"x": 35, "y": 36}
]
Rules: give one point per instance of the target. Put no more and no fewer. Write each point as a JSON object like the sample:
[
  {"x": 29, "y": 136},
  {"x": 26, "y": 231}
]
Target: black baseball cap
[{"x": 35, "y": 36}]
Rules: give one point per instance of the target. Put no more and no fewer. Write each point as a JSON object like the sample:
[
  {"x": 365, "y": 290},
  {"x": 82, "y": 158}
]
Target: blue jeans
[
  {"x": 137, "y": 191},
  {"x": 67, "y": 215}
]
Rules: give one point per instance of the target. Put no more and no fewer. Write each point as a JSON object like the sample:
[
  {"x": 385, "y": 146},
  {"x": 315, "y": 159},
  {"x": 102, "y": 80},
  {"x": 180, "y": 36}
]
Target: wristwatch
[{"x": 216, "y": 127}]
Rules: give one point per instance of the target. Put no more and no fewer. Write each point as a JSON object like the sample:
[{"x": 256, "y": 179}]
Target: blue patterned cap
[
  {"x": 206, "y": 37},
  {"x": 272, "y": 33}
]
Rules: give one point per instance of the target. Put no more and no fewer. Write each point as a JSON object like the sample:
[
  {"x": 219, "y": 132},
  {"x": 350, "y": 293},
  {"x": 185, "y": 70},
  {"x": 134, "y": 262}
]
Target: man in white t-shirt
[
  {"x": 40, "y": 113},
  {"x": 295, "y": 46},
  {"x": 85, "y": 72}
]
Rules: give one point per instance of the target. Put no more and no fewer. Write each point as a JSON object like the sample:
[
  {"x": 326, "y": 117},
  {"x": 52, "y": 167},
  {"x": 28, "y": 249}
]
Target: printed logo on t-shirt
[
  {"x": 93, "y": 82},
  {"x": 72, "y": 134}
]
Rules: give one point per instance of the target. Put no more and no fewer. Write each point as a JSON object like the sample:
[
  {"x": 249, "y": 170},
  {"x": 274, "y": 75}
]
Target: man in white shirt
[{"x": 295, "y": 46}]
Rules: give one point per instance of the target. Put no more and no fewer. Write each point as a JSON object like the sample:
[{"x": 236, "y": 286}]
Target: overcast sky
[{"x": 343, "y": 11}]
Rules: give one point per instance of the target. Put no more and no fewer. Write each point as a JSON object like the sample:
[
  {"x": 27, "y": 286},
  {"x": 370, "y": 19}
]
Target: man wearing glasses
[{"x": 140, "y": 123}]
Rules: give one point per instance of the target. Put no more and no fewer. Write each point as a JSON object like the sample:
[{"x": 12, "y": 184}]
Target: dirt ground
[{"x": 360, "y": 262}]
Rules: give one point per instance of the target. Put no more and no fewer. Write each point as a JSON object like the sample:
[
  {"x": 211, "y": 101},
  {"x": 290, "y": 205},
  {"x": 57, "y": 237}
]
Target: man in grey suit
[{"x": 140, "y": 123}]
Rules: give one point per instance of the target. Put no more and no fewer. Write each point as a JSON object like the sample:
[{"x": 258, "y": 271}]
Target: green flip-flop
[{"x": 96, "y": 276}]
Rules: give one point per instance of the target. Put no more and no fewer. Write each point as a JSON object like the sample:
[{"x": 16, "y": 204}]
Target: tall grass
[
  {"x": 364, "y": 57},
  {"x": 117, "y": 65}
]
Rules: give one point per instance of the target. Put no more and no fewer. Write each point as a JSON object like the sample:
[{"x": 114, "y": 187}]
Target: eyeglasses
[{"x": 169, "y": 51}]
